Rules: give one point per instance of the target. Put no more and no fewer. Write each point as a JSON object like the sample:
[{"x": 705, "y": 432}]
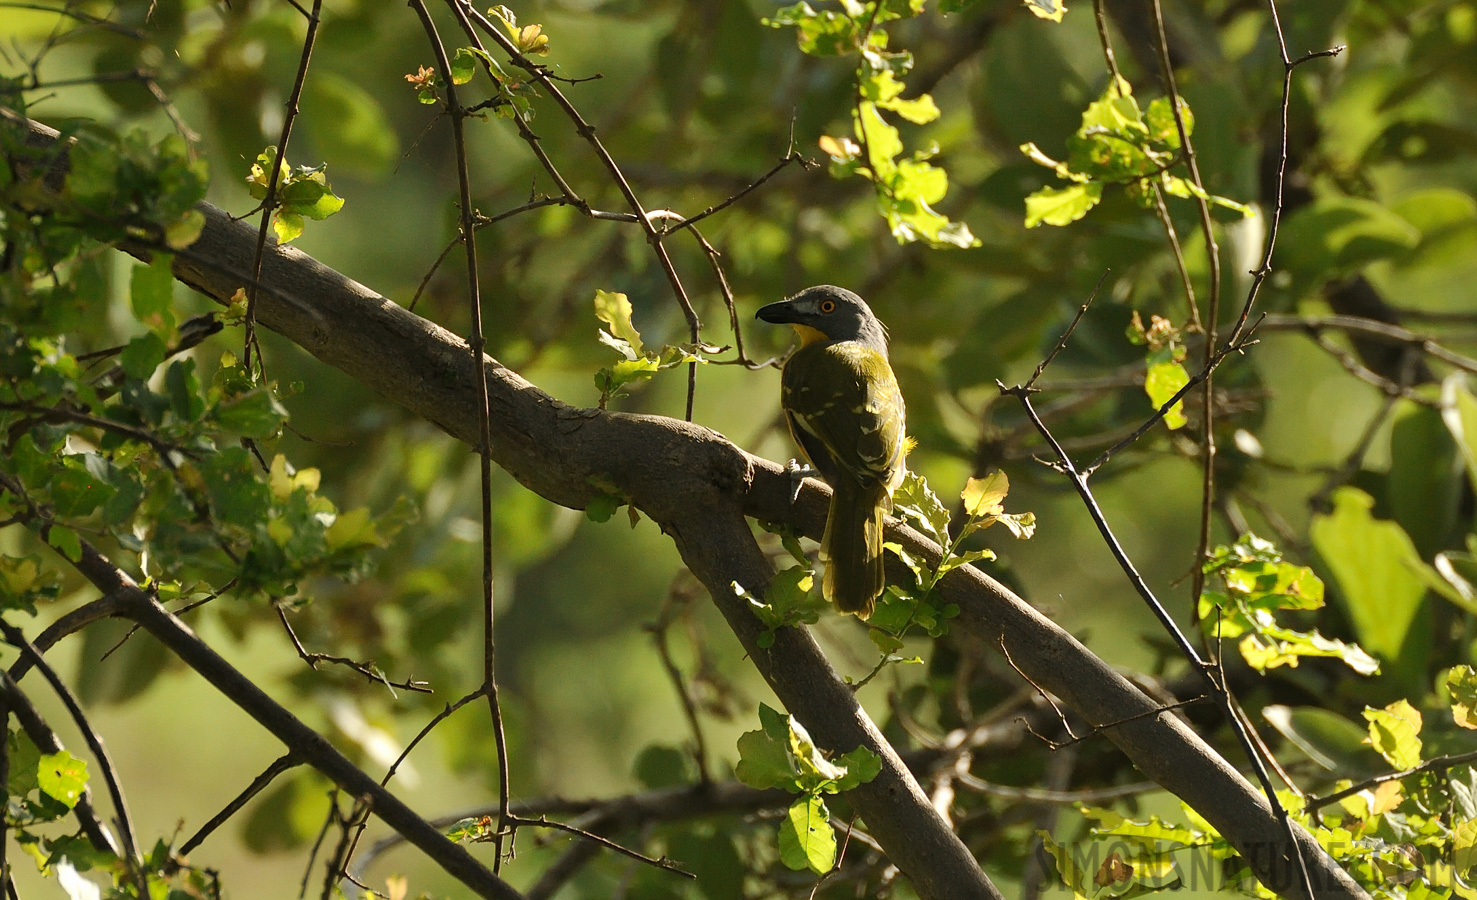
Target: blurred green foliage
[{"x": 300, "y": 494}]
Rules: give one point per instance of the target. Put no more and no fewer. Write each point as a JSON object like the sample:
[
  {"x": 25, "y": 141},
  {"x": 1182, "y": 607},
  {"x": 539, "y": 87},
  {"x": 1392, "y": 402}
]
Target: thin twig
[
  {"x": 1067, "y": 335},
  {"x": 1164, "y": 408},
  {"x": 684, "y": 693},
  {"x": 1354, "y": 367},
  {"x": 785, "y": 161},
  {"x": 468, "y": 13},
  {"x": 141, "y": 435},
  {"x": 17, "y": 638},
  {"x": 279, "y": 765},
  {"x": 1439, "y": 764},
  {"x": 368, "y": 670},
  {"x": 1061, "y": 716},
  {"x": 1211, "y": 321},
  {"x": 270, "y": 200},
  {"x": 1043, "y": 795},
  {"x": 1372, "y": 328},
  {"x": 663, "y": 863},
  {"x": 1207, "y": 671},
  {"x": 477, "y": 344}
]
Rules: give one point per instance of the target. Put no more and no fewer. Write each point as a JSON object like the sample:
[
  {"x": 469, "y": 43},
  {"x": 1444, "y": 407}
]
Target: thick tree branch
[{"x": 694, "y": 483}]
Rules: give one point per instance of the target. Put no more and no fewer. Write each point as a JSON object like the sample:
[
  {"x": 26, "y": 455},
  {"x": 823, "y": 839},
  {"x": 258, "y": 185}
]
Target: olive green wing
[{"x": 846, "y": 411}]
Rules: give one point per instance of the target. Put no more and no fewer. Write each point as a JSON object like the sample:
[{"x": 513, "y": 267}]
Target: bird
[{"x": 843, "y": 407}]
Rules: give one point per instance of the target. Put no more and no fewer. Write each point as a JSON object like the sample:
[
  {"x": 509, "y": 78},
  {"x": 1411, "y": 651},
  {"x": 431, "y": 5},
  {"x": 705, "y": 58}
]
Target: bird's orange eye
[{"x": 828, "y": 306}]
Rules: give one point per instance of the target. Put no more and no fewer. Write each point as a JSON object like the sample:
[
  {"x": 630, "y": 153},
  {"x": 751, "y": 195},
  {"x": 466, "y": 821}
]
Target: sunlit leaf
[{"x": 1395, "y": 732}]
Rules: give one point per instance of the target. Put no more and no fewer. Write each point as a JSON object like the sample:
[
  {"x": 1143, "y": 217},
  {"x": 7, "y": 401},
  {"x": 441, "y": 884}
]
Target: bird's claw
[{"x": 797, "y": 472}]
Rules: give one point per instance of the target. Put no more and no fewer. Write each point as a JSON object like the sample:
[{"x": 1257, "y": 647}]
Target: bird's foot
[{"x": 797, "y": 472}]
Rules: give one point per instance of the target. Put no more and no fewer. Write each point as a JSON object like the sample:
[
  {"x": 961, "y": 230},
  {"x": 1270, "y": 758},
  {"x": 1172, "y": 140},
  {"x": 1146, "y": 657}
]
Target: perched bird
[{"x": 845, "y": 411}]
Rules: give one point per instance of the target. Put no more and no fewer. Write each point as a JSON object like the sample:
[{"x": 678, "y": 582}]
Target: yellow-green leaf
[
  {"x": 1461, "y": 683},
  {"x": 1395, "y": 732},
  {"x": 1464, "y": 844},
  {"x": 982, "y": 496},
  {"x": 352, "y": 529},
  {"x": 1062, "y": 206},
  {"x": 807, "y": 840},
  {"x": 1163, "y": 381},
  {"x": 62, "y": 776},
  {"x": 614, "y": 309}
]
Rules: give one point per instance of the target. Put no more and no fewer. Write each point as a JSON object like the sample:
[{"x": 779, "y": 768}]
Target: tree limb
[{"x": 697, "y": 485}]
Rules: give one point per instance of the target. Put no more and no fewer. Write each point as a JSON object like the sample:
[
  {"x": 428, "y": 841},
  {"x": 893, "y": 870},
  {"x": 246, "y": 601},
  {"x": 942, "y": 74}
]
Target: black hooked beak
[{"x": 780, "y": 313}]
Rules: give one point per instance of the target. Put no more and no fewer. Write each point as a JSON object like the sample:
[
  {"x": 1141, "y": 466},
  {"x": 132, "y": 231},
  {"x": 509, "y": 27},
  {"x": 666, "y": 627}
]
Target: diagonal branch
[{"x": 696, "y": 484}]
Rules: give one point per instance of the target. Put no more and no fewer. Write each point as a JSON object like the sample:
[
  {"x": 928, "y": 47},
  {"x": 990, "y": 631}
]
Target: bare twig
[
  {"x": 258, "y": 784},
  {"x": 1066, "y": 335},
  {"x": 1206, "y": 670},
  {"x": 477, "y": 344},
  {"x": 17, "y": 638},
  {"x": 663, "y": 863},
  {"x": 46, "y": 741},
  {"x": 658, "y": 631},
  {"x": 1372, "y": 328},
  {"x": 368, "y": 670},
  {"x": 468, "y": 14},
  {"x": 270, "y": 200},
  {"x": 1439, "y": 764}
]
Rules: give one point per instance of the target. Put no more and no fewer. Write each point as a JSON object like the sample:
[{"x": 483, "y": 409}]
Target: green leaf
[
  {"x": 1461, "y": 684},
  {"x": 257, "y": 414},
  {"x": 1159, "y": 118},
  {"x": 826, "y": 33},
  {"x": 1334, "y": 234},
  {"x": 790, "y": 599},
  {"x": 470, "y": 829},
  {"x": 861, "y": 764},
  {"x": 1077, "y": 879},
  {"x": 1163, "y": 380},
  {"x": 1273, "y": 646},
  {"x": 1373, "y": 562},
  {"x": 1329, "y": 739},
  {"x": 765, "y": 760},
  {"x": 24, "y": 760},
  {"x": 310, "y": 196},
  {"x": 287, "y": 225},
  {"x": 602, "y": 506},
  {"x": 1464, "y": 844},
  {"x": 984, "y": 496},
  {"x": 1395, "y": 732},
  {"x": 353, "y": 529},
  {"x": 659, "y": 766},
  {"x": 23, "y": 581},
  {"x": 1459, "y": 414},
  {"x": 185, "y": 230},
  {"x": 915, "y": 501},
  {"x": 151, "y": 294},
  {"x": 65, "y": 540},
  {"x": 614, "y": 309},
  {"x": 463, "y": 65},
  {"x": 1109, "y": 822},
  {"x": 807, "y": 840},
  {"x": 142, "y": 355},
  {"x": 183, "y": 389},
  {"x": 237, "y": 497},
  {"x": 62, "y": 776},
  {"x": 1062, "y": 206}
]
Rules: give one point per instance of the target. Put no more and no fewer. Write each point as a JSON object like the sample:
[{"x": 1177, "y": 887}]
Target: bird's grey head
[{"x": 833, "y": 313}]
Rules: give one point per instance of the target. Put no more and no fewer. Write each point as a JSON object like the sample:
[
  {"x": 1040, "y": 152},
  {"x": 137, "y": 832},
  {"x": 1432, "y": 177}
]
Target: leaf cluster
[{"x": 781, "y": 754}]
